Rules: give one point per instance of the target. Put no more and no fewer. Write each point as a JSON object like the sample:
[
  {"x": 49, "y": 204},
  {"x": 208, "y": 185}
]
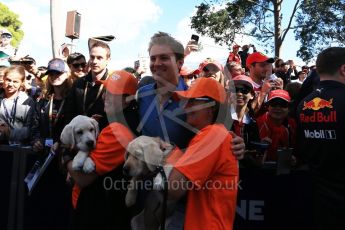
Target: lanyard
[
  {"x": 10, "y": 117},
  {"x": 93, "y": 102},
  {"x": 51, "y": 122}
]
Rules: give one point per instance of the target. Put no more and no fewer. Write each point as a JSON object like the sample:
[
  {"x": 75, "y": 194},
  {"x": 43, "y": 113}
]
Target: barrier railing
[
  {"x": 13, "y": 160},
  {"x": 265, "y": 200}
]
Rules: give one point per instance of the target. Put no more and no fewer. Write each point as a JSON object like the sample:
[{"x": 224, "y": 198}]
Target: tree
[
  {"x": 316, "y": 23},
  {"x": 323, "y": 25},
  {"x": 10, "y": 21}
]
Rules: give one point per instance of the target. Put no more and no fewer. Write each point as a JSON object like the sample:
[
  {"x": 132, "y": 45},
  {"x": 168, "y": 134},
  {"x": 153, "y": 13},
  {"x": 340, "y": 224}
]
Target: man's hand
[
  {"x": 163, "y": 144},
  {"x": 237, "y": 146},
  {"x": 97, "y": 117},
  {"x": 266, "y": 87},
  {"x": 37, "y": 146},
  {"x": 278, "y": 83},
  {"x": 191, "y": 47}
]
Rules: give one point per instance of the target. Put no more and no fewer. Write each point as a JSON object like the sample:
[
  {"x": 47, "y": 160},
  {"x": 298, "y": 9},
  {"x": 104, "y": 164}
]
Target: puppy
[
  {"x": 81, "y": 133},
  {"x": 142, "y": 157}
]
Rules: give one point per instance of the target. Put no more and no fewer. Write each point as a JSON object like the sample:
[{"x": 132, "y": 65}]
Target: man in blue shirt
[
  {"x": 159, "y": 114},
  {"x": 165, "y": 120}
]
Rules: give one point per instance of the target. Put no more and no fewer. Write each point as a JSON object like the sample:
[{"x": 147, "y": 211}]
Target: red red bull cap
[
  {"x": 258, "y": 57},
  {"x": 279, "y": 93}
]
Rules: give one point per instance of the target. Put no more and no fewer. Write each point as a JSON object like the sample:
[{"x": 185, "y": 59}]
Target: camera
[{"x": 22, "y": 61}]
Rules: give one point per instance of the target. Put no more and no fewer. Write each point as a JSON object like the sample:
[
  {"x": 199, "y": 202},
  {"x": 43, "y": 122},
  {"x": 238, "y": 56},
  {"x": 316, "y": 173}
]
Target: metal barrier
[
  {"x": 265, "y": 200},
  {"x": 16, "y": 192},
  {"x": 270, "y": 201},
  {"x": 48, "y": 207}
]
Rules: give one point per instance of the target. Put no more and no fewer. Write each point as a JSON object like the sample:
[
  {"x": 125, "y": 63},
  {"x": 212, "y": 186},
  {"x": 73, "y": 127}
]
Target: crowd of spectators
[{"x": 215, "y": 115}]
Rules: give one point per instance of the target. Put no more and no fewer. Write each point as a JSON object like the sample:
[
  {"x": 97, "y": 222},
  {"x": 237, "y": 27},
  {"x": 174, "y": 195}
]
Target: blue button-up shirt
[{"x": 168, "y": 123}]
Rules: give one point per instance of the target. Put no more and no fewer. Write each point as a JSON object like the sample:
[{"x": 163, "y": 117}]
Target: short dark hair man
[
  {"x": 321, "y": 120},
  {"x": 77, "y": 64},
  {"x": 85, "y": 97}
]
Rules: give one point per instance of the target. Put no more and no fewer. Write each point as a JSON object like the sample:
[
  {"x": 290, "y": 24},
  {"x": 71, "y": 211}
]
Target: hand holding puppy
[{"x": 4, "y": 130}]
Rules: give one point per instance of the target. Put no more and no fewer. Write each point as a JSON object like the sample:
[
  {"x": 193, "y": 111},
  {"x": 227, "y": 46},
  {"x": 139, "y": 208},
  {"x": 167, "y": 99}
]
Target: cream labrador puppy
[
  {"x": 81, "y": 134},
  {"x": 143, "y": 156}
]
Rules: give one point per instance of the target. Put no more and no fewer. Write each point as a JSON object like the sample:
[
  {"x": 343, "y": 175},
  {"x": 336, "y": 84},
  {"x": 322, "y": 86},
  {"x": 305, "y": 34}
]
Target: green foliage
[
  {"x": 317, "y": 24},
  {"x": 10, "y": 21},
  {"x": 225, "y": 23},
  {"x": 323, "y": 26}
]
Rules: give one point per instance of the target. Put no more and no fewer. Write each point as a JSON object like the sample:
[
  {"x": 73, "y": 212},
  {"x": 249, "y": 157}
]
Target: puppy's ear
[
  {"x": 67, "y": 136},
  {"x": 153, "y": 155},
  {"x": 126, "y": 155},
  {"x": 96, "y": 127}
]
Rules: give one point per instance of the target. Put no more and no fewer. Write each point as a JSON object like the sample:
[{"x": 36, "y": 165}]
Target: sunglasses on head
[
  {"x": 279, "y": 103},
  {"x": 6, "y": 36},
  {"x": 243, "y": 90},
  {"x": 78, "y": 65},
  {"x": 210, "y": 68}
]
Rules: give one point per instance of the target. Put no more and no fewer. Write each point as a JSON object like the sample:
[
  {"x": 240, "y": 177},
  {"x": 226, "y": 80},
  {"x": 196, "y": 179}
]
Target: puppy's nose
[
  {"x": 125, "y": 171},
  {"x": 90, "y": 144}
]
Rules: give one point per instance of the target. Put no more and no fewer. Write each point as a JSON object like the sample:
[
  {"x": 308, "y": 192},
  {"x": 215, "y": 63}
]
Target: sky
[{"x": 132, "y": 22}]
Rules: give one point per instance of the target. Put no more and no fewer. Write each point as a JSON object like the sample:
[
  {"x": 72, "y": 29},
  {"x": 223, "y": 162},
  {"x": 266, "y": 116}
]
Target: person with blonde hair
[
  {"x": 212, "y": 68},
  {"x": 16, "y": 108}
]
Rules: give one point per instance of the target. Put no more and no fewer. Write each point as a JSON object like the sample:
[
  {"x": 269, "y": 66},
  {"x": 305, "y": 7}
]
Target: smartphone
[
  {"x": 195, "y": 38},
  {"x": 136, "y": 64}
]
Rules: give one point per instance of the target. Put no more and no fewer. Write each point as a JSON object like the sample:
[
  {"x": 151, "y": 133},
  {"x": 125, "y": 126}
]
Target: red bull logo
[
  {"x": 319, "y": 117},
  {"x": 318, "y": 103}
]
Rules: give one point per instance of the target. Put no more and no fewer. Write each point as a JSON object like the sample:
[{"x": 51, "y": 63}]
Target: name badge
[{"x": 48, "y": 142}]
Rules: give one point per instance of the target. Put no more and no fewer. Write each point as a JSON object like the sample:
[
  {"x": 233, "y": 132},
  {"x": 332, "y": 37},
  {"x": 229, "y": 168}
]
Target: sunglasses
[
  {"x": 6, "y": 36},
  {"x": 78, "y": 65},
  {"x": 281, "y": 104},
  {"x": 244, "y": 90},
  {"x": 191, "y": 76}
]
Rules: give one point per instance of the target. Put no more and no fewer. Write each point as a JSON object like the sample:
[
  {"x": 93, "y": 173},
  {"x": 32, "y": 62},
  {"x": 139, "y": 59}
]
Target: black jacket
[
  {"x": 44, "y": 124},
  {"x": 321, "y": 142},
  {"x": 93, "y": 104}
]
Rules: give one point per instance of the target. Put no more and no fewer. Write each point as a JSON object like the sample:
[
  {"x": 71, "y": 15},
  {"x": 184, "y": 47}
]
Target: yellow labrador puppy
[
  {"x": 81, "y": 134},
  {"x": 143, "y": 156}
]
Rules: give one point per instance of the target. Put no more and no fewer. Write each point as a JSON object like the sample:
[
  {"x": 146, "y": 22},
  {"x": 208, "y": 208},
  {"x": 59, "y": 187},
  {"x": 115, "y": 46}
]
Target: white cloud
[
  {"x": 123, "y": 19},
  {"x": 128, "y": 20}
]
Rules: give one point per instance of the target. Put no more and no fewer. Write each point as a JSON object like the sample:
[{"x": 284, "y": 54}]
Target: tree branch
[
  {"x": 261, "y": 25},
  {"x": 263, "y": 7},
  {"x": 251, "y": 35},
  {"x": 293, "y": 27},
  {"x": 290, "y": 21}
]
